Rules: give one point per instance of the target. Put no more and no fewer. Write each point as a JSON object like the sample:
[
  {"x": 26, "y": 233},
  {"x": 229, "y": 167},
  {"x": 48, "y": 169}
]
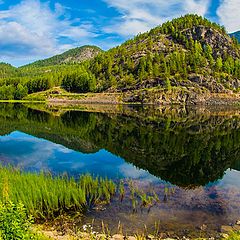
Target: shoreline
[{"x": 121, "y": 99}]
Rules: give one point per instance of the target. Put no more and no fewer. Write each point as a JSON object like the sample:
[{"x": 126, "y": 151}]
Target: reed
[
  {"x": 121, "y": 190},
  {"x": 45, "y": 196}
]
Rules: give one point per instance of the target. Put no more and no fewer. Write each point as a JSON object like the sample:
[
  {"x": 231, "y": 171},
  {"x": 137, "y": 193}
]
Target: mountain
[
  {"x": 75, "y": 55},
  {"x": 236, "y": 35},
  {"x": 187, "y": 60},
  {"x": 189, "y": 55}
]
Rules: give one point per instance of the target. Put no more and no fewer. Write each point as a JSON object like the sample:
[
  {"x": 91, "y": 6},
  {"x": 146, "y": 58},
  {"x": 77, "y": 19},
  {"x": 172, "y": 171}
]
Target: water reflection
[
  {"x": 34, "y": 154},
  {"x": 186, "y": 148},
  {"x": 194, "y": 151}
]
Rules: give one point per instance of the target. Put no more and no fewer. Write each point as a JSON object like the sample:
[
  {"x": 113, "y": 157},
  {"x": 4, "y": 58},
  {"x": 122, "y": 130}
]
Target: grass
[
  {"x": 234, "y": 236},
  {"x": 46, "y": 197},
  {"x": 21, "y": 101},
  {"x": 121, "y": 190},
  {"x": 60, "y": 94}
]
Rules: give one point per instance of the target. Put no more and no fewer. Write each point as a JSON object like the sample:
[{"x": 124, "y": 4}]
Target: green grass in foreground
[
  {"x": 46, "y": 197},
  {"x": 234, "y": 236}
]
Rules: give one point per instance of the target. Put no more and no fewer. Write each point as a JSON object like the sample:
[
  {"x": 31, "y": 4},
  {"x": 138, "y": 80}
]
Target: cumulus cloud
[
  {"x": 141, "y": 15},
  {"x": 75, "y": 33},
  {"x": 32, "y": 28},
  {"x": 228, "y": 13}
]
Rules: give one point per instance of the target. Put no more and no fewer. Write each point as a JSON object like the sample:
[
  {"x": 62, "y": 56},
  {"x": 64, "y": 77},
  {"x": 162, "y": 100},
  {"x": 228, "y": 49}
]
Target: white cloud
[
  {"x": 141, "y": 15},
  {"x": 228, "y": 13},
  {"x": 31, "y": 28},
  {"x": 128, "y": 27},
  {"x": 79, "y": 33}
]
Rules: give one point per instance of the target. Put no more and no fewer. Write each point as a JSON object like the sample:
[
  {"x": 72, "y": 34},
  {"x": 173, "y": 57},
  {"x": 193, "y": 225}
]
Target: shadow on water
[{"x": 190, "y": 148}]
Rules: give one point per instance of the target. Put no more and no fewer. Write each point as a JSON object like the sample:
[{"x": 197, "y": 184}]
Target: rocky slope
[
  {"x": 75, "y": 55},
  {"x": 188, "y": 55}
]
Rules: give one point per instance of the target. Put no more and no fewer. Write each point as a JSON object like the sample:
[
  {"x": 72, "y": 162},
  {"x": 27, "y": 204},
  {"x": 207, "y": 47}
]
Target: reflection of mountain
[{"x": 185, "y": 149}]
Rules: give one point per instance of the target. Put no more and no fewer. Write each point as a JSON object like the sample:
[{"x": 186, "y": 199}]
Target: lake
[{"x": 190, "y": 157}]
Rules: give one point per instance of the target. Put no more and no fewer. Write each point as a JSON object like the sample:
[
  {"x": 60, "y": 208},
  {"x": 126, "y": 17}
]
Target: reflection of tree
[{"x": 187, "y": 150}]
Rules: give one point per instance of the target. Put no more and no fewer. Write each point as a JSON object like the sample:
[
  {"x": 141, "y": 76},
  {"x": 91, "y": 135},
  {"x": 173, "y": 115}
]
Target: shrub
[{"x": 14, "y": 222}]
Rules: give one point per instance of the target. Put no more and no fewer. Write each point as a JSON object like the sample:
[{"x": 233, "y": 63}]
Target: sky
[{"x": 37, "y": 29}]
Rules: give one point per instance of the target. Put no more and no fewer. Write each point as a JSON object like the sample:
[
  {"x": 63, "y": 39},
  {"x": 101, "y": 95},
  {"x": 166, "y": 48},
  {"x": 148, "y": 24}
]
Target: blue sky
[{"x": 36, "y": 29}]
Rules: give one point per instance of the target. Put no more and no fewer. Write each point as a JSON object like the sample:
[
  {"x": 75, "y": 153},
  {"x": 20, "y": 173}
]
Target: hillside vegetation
[
  {"x": 184, "y": 57},
  {"x": 75, "y": 55},
  {"x": 189, "y": 51}
]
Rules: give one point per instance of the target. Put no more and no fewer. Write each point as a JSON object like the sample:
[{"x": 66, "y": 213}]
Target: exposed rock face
[
  {"x": 205, "y": 84},
  {"x": 209, "y": 83},
  {"x": 180, "y": 96},
  {"x": 86, "y": 54},
  {"x": 218, "y": 42}
]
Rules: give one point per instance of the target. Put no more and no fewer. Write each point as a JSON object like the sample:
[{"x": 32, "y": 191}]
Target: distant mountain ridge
[
  {"x": 75, "y": 55},
  {"x": 236, "y": 35}
]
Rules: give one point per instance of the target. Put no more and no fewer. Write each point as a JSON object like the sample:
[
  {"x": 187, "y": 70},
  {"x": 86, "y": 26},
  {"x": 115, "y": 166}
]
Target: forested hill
[
  {"x": 188, "y": 58},
  {"x": 6, "y": 69},
  {"x": 189, "y": 52},
  {"x": 236, "y": 35},
  {"x": 75, "y": 55}
]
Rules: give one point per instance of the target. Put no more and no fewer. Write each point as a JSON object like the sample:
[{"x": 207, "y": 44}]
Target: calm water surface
[{"x": 189, "y": 157}]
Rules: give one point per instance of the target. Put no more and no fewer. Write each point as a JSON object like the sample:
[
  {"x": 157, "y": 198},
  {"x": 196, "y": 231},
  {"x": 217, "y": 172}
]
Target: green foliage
[
  {"x": 21, "y": 92},
  {"x": 11, "y": 92},
  {"x": 47, "y": 197},
  {"x": 234, "y": 236},
  {"x": 7, "y": 70},
  {"x": 14, "y": 222},
  {"x": 79, "y": 81},
  {"x": 7, "y": 92},
  {"x": 43, "y": 75}
]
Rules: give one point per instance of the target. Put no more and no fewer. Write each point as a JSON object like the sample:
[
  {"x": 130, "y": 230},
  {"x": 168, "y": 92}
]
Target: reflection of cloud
[
  {"x": 130, "y": 171},
  {"x": 32, "y": 151},
  {"x": 64, "y": 150},
  {"x": 230, "y": 179}
]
